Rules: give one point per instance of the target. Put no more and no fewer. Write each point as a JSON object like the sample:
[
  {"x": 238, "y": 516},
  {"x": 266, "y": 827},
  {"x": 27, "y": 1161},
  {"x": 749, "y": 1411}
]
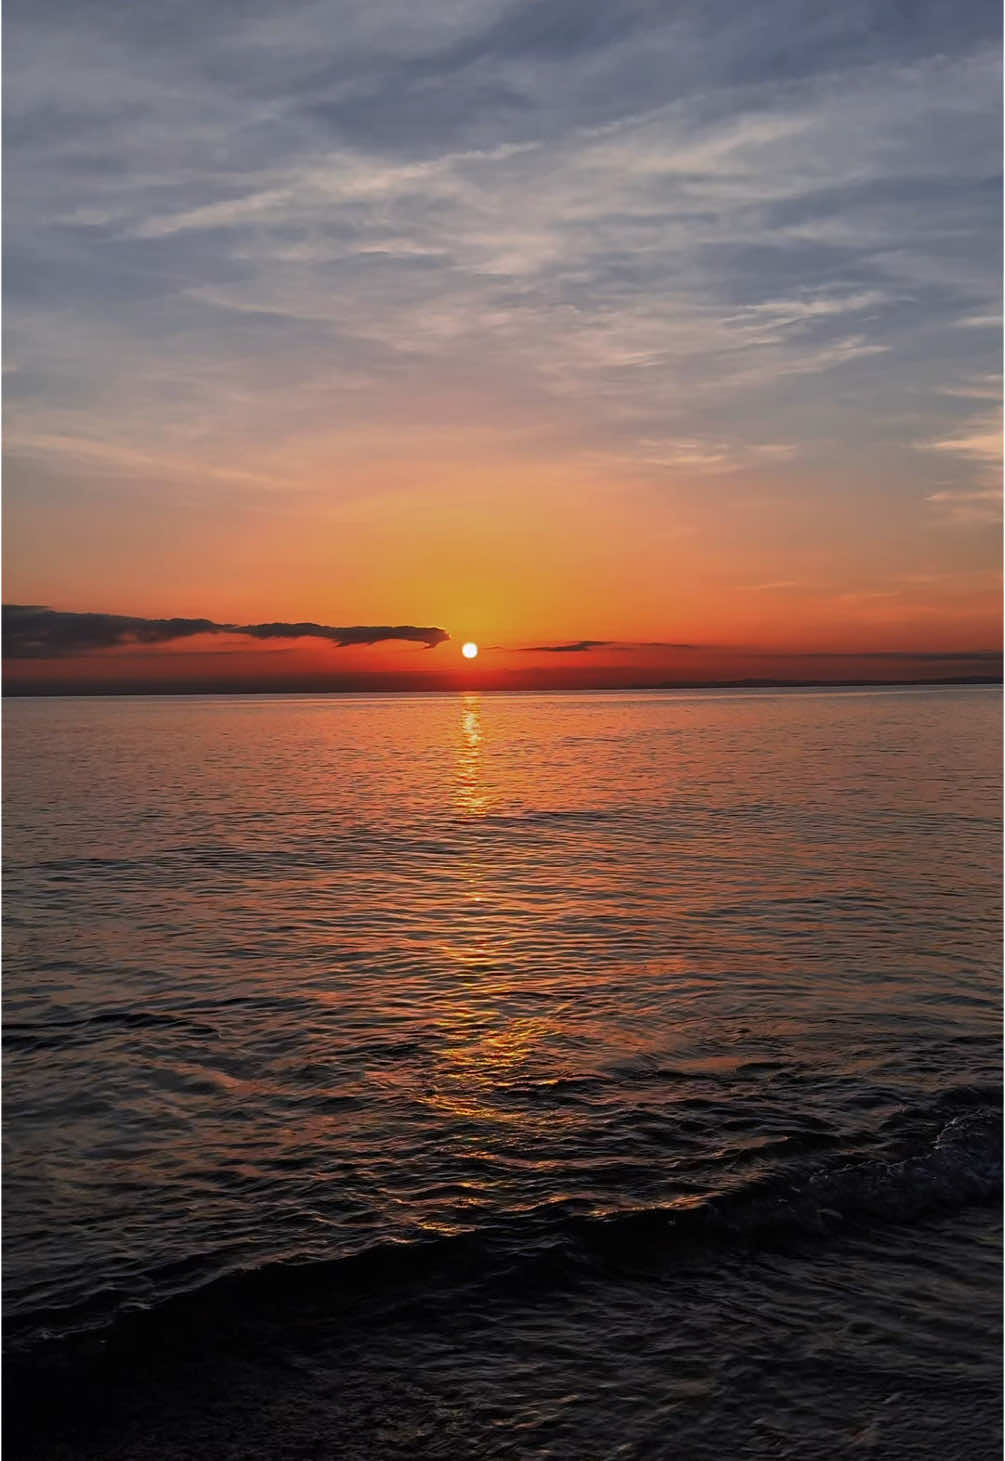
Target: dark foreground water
[{"x": 516, "y": 1076}]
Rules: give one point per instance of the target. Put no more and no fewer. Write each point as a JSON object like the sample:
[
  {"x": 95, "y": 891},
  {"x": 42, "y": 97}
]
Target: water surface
[{"x": 546, "y": 1075}]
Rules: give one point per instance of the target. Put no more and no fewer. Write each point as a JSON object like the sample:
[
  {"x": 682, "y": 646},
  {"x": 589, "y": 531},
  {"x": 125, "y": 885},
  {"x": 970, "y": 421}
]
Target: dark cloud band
[
  {"x": 984, "y": 657},
  {"x": 31, "y": 632},
  {"x": 583, "y": 646}
]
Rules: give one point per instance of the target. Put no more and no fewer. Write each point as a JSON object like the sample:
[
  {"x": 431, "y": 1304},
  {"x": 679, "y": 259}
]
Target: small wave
[
  {"x": 957, "y": 1165},
  {"x": 961, "y": 1167},
  {"x": 43, "y": 1034}
]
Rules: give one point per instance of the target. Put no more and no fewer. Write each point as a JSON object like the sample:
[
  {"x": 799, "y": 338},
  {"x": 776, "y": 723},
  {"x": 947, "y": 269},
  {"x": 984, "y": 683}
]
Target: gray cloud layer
[
  {"x": 702, "y": 237},
  {"x": 31, "y": 632}
]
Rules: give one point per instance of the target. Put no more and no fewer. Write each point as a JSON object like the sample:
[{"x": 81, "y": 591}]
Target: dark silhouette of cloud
[
  {"x": 354, "y": 634},
  {"x": 579, "y": 647},
  {"x": 991, "y": 657},
  {"x": 34, "y": 632},
  {"x": 583, "y": 646}
]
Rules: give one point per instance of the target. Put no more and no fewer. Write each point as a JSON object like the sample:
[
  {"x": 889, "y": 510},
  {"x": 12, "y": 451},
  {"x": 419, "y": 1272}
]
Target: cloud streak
[
  {"x": 584, "y": 646},
  {"x": 31, "y": 632},
  {"x": 581, "y": 646},
  {"x": 984, "y": 657},
  {"x": 655, "y": 217}
]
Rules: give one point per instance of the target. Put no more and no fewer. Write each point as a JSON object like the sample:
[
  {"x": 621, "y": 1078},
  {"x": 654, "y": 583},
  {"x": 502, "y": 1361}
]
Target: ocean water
[{"x": 587, "y": 1076}]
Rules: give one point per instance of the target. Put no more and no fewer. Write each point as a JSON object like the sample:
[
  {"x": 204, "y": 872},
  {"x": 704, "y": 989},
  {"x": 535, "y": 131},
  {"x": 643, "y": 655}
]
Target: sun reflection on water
[
  {"x": 471, "y": 796},
  {"x": 485, "y": 1033}
]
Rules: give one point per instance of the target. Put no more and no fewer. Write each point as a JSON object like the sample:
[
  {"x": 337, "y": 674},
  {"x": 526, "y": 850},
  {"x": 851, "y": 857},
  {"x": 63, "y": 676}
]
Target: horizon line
[{"x": 41, "y": 692}]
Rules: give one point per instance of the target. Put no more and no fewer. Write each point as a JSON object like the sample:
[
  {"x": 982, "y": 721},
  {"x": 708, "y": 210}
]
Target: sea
[{"x": 587, "y": 1076}]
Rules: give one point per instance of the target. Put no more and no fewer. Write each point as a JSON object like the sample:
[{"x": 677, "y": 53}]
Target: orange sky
[
  {"x": 308, "y": 666},
  {"x": 753, "y": 575}
]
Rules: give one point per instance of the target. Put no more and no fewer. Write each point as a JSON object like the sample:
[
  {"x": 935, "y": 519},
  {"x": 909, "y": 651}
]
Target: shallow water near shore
[{"x": 504, "y": 1075}]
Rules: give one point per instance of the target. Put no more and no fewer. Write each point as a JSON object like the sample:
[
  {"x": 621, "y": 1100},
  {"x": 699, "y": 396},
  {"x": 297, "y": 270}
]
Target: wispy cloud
[
  {"x": 779, "y": 585},
  {"x": 979, "y": 503},
  {"x": 663, "y": 239},
  {"x": 639, "y": 255},
  {"x": 968, "y": 509},
  {"x": 980, "y": 440}
]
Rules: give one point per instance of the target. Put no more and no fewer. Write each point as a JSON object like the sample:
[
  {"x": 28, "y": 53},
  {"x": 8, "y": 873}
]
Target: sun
[{"x": 469, "y": 650}]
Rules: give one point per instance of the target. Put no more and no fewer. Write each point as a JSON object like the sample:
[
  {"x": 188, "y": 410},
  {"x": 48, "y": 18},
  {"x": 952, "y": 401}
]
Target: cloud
[
  {"x": 980, "y": 441},
  {"x": 252, "y": 248},
  {"x": 583, "y": 646},
  {"x": 977, "y": 441},
  {"x": 981, "y": 322},
  {"x": 779, "y": 585},
  {"x": 650, "y": 216},
  {"x": 356, "y": 634},
  {"x": 32, "y": 632},
  {"x": 989, "y": 494},
  {"x": 979, "y": 508}
]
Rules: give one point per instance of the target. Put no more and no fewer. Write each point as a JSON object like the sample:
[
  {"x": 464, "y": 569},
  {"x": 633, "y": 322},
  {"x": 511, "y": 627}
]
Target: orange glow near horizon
[
  {"x": 652, "y": 609},
  {"x": 688, "y": 586}
]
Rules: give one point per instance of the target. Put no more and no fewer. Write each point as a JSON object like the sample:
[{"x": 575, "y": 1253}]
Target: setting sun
[{"x": 469, "y": 650}]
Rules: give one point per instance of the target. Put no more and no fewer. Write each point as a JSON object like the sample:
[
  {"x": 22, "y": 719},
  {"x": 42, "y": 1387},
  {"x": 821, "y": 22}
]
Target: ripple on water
[{"x": 569, "y": 983}]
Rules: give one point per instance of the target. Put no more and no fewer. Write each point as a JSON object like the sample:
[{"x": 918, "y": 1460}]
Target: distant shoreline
[{"x": 64, "y": 691}]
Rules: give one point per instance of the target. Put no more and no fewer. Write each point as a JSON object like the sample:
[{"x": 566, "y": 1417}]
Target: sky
[{"x": 636, "y": 342}]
